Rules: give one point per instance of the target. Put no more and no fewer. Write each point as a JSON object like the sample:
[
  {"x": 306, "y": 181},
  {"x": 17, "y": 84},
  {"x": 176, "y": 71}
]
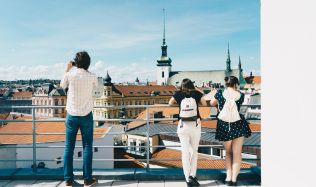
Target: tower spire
[
  {"x": 164, "y": 28},
  {"x": 164, "y": 45},
  {"x": 164, "y": 62},
  {"x": 239, "y": 64},
  {"x": 228, "y": 61}
]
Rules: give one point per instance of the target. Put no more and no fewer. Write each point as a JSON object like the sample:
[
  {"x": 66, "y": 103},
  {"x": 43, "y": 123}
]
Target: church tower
[
  {"x": 228, "y": 62},
  {"x": 239, "y": 65},
  {"x": 164, "y": 62}
]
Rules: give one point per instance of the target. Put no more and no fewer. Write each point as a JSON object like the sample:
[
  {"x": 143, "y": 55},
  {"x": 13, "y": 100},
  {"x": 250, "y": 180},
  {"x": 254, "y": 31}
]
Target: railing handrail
[
  {"x": 114, "y": 106},
  {"x": 147, "y": 121}
]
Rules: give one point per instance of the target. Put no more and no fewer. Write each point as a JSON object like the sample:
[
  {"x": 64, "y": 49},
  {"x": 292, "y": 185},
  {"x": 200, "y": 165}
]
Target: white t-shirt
[{"x": 81, "y": 84}]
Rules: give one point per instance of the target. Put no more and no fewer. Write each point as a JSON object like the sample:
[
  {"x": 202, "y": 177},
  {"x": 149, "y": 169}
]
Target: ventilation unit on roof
[{"x": 158, "y": 115}]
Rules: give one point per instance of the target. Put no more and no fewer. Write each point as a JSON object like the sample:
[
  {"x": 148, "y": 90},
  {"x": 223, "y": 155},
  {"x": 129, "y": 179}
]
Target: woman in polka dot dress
[{"x": 232, "y": 134}]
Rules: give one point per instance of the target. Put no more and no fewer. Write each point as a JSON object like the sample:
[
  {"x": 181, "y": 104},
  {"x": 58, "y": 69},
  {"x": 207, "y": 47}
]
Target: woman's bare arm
[
  {"x": 172, "y": 102},
  {"x": 214, "y": 102},
  {"x": 203, "y": 102}
]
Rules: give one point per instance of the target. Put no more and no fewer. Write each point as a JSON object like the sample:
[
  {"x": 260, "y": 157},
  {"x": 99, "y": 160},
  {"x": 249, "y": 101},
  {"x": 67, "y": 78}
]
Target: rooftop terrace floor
[
  {"x": 123, "y": 183},
  {"x": 129, "y": 177}
]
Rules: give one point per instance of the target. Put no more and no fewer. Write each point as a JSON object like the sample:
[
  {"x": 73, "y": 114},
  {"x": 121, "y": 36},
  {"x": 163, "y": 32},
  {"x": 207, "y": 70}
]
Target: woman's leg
[
  {"x": 237, "y": 147},
  {"x": 194, "y": 144},
  {"x": 185, "y": 145},
  {"x": 228, "y": 159}
]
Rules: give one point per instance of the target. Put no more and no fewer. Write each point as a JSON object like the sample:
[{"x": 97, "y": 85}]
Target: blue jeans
[{"x": 73, "y": 124}]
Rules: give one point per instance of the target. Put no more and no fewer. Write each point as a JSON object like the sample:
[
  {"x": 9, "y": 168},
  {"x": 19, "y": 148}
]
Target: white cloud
[
  {"x": 118, "y": 73},
  {"x": 124, "y": 73}
]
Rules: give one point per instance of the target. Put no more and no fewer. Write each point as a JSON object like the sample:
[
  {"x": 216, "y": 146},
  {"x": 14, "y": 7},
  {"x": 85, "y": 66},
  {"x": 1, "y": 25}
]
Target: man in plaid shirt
[{"x": 80, "y": 83}]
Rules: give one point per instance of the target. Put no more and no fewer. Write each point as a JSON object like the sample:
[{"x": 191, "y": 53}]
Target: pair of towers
[{"x": 164, "y": 62}]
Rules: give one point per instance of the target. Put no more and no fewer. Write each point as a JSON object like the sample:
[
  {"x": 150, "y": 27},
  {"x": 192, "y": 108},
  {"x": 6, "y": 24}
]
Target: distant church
[{"x": 205, "y": 78}]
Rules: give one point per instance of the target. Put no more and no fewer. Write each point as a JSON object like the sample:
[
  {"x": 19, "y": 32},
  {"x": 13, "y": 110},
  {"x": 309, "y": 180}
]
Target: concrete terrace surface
[
  {"x": 133, "y": 183},
  {"x": 127, "y": 177}
]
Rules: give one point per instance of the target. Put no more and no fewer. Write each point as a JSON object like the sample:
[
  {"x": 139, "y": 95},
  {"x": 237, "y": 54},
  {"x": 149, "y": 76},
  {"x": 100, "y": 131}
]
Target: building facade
[
  {"x": 109, "y": 94},
  {"x": 48, "y": 95}
]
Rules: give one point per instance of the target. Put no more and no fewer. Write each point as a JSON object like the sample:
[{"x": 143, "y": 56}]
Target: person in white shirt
[{"x": 80, "y": 83}]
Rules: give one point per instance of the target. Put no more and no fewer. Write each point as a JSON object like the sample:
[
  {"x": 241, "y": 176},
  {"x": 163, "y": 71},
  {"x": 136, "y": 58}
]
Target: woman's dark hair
[
  {"x": 187, "y": 85},
  {"x": 231, "y": 81},
  {"x": 82, "y": 60}
]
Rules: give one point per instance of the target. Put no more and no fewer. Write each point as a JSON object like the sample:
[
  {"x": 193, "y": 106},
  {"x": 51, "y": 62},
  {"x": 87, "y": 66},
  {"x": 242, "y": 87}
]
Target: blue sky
[{"x": 38, "y": 37}]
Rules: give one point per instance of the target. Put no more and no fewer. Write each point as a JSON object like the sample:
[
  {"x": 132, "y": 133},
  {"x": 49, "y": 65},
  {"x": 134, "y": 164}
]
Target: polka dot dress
[{"x": 237, "y": 129}]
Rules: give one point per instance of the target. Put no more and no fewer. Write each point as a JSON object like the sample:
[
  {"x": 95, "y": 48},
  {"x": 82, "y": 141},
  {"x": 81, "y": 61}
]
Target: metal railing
[{"x": 147, "y": 119}]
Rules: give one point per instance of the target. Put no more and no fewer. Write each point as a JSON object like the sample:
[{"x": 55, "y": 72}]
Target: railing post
[
  {"x": 34, "y": 140},
  {"x": 147, "y": 136}
]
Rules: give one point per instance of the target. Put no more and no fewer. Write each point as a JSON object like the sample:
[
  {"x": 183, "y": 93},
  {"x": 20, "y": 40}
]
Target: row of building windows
[
  {"x": 49, "y": 102},
  {"x": 49, "y": 110},
  {"x": 138, "y": 102},
  {"x": 129, "y": 113}
]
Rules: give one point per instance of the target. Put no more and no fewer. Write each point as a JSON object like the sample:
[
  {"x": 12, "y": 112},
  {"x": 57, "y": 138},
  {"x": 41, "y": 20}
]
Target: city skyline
[{"x": 124, "y": 37}]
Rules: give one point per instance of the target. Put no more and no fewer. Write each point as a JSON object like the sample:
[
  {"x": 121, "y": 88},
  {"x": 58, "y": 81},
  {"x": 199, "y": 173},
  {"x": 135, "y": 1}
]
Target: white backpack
[
  {"x": 229, "y": 112},
  {"x": 188, "y": 108}
]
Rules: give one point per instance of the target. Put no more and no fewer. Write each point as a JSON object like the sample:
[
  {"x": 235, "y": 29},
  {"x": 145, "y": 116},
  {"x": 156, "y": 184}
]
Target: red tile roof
[
  {"x": 4, "y": 116},
  {"x": 2, "y": 91},
  {"x": 133, "y": 90},
  {"x": 152, "y": 83},
  {"x": 41, "y": 127},
  {"x": 175, "y": 154},
  {"x": 256, "y": 80},
  {"x": 119, "y": 154},
  {"x": 22, "y": 94}
]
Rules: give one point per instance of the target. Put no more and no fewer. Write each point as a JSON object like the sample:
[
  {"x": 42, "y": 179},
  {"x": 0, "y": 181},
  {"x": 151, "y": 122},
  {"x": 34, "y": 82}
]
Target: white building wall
[
  {"x": 54, "y": 153},
  {"x": 7, "y": 153},
  {"x": 163, "y": 80}
]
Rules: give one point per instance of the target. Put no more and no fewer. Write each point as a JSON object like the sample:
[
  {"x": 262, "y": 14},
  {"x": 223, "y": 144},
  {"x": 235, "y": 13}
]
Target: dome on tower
[{"x": 107, "y": 79}]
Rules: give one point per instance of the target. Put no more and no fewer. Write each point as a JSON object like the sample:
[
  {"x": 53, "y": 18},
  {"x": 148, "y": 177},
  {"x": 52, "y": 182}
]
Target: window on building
[
  {"x": 56, "y": 102},
  {"x": 216, "y": 152},
  {"x": 96, "y": 149},
  {"x": 62, "y": 101},
  {"x": 142, "y": 149},
  {"x": 45, "y": 102},
  {"x": 163, "y": 74},
  {"x": 79, "y": 154},
  {"x": 49, "y": 102},
  {"x": 204, "y": 150},
  {"x": 133, "y": 144},
  {"x": 56, "y": 111},
  {"x": 58, "y": 160}
]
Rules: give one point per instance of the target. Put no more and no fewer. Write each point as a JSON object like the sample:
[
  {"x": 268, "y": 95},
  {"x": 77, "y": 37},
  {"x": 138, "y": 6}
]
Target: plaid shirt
[{"x": 81, "y": 84}]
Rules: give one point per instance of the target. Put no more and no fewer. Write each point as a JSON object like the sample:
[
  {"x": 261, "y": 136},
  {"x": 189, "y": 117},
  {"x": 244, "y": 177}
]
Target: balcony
[{"x": 149, "y": 175}]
